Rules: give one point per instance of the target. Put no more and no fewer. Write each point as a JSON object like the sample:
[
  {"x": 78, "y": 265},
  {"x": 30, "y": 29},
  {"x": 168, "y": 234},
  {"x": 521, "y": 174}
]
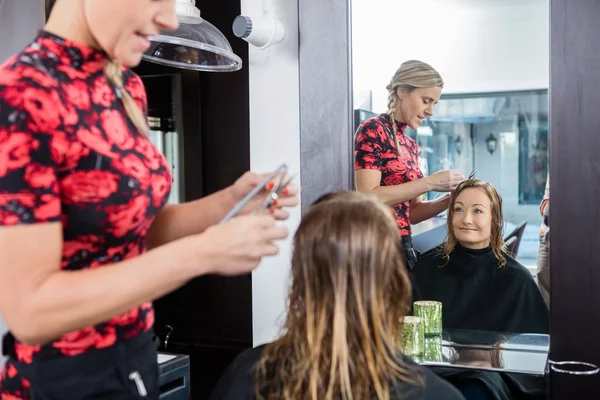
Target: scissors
[{"x": 273, "y": 195}]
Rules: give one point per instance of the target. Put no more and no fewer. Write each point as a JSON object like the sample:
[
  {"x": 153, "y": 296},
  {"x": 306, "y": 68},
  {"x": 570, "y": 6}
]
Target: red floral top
[
  {"x": 375, "y": 148},
  {"x": 69, "y": 154}
]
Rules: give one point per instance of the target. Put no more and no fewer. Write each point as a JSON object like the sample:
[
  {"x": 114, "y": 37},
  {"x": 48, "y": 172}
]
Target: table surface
[
  {"x": 519, "y": 353},
  {"x": 168, "y": 362}
]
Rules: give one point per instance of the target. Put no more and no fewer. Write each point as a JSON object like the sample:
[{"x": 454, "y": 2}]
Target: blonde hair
[
  {"x": 349, "y": 292},
  {"x": 114, "y": 75},
  {"x": 411, "y": 75},
  {"x": 496, "y": 241}
]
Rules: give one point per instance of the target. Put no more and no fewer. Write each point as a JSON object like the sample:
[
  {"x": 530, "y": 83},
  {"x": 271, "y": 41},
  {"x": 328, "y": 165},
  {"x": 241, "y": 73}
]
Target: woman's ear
[{"x": 400, "y": 93}]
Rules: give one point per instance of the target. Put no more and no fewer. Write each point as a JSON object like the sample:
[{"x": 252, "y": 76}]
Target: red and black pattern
[
  {"x": 69, "y": 154},
  {"x": 375, "y": 148}
]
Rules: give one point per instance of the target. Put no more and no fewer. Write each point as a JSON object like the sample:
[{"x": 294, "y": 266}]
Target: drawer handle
[
  {"x": 556, "y": 366},
  {"x": 172, "y": 386}
]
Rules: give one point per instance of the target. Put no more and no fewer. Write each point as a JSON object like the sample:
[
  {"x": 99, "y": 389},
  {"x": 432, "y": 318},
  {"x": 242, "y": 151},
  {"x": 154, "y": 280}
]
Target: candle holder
[
  {"x": 431, "y": 313},
  {"x": 412, "y": 337}
]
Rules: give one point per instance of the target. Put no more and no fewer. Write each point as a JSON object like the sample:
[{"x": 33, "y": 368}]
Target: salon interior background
[
  {"x": 491, "y": 47},
  {"x": 478, "y": 46}
]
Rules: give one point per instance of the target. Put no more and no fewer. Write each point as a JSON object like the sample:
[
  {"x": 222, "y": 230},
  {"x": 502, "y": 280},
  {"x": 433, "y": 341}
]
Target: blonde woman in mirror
[{"x": 386, "y": 161}]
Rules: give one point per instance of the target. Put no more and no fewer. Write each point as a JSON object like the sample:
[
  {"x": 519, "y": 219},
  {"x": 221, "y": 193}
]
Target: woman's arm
[
  {"x": 368, "y": 162},
  {"x": 40, "y": 302},
  {"x": 368, "y": 181},
  {"x": 546, "y": 199},
  {"x": 181, "y": 220},
  {"x": 423, "y": 210}
]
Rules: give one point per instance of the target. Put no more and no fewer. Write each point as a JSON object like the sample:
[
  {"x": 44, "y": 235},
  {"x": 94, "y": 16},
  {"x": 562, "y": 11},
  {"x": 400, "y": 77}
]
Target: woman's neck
[
  {"x": 398, "y": 115},
  {"x": 476, "y": 246},
  {"x": 68, "y": 21}
]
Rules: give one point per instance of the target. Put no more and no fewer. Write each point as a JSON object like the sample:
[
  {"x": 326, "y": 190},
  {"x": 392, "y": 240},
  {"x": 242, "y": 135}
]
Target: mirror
[{"x": 491, "y": 120}]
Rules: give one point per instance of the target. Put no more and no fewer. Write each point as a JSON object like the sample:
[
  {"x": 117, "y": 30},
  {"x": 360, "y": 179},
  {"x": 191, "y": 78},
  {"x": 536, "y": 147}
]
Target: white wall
[
  {"x": 19, "y": 21},
  {"x": 476, "y": 46},
  {"x": 274, "y": 139}
]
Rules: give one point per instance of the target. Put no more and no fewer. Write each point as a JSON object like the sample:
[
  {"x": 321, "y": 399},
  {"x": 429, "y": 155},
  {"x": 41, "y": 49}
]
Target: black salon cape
[
  {"x": 477, "y": 295},
  {"x": 238, "y": 381}
]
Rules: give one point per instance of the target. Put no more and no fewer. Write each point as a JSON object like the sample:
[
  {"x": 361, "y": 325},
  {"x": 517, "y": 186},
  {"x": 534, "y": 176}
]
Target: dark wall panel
[
  {"x": 325, "y": 98},
  {"x": 575, "y": 193}
]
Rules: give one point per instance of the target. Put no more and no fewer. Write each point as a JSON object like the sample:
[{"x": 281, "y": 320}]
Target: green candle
[
  {"x": 433, "y": 349},
  {"x": 412, "y": 337},
  {"x": 431, "y": 312}
]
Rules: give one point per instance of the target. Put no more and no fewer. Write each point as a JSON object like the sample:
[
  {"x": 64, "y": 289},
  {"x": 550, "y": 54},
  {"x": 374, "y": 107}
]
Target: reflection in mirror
[{"x": 480, "y": 256}]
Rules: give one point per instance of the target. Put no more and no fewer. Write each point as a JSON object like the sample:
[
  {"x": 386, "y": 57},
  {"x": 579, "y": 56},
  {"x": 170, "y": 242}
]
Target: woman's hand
[
  {"x": 235, "y": 247},
  {"x": 287, "y": 198},
  {"x": 445, "y": 181}
]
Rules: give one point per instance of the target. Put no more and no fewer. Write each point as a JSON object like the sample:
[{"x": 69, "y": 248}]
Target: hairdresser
[
  {"x": 387, "y": 161},
  {"x": 86, "y": 237}
]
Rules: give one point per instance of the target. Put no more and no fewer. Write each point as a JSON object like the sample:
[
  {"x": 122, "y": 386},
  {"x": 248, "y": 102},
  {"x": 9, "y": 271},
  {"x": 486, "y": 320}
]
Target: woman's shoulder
[
  {"x": 433, "y": 258},
  {"x": 20, "y": 82},
  {"x": 19, "y": 72},
  {"x": 237, "y": 382},
  {"x": 247, "y": 359},
  {"x": 374, "y": 125},
  {"x": 516, "y": 269},
  {"x": 429, "y": 386}
]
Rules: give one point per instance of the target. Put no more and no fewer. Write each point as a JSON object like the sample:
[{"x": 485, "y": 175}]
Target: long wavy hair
[
  {"x": 496, "y": 241},
  {"x": 349, "y": 291}
]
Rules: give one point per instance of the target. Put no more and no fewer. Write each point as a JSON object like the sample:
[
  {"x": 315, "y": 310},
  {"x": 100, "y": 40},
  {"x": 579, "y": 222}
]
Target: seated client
[
  {"x": 348, "y": 293},
  {"x": 481, "y": 286}
]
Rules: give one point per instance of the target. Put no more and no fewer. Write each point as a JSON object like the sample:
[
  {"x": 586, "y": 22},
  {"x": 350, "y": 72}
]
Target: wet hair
[{"x": 349, "y": 292}]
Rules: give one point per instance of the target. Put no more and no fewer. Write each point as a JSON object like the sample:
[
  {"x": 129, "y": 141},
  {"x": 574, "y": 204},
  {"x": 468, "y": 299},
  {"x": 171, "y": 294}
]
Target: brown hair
[
  {"x": 411, "y": 75},
  {"x": 466, "y": 356},
  {"x": 49, "y": 5},
  {"x": 496, "y": 241},
  {"x": 349, "y": 292}
]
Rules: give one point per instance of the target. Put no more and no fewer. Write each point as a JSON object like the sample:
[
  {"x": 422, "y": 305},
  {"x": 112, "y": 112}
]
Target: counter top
[
  {"x": 168, "y": 362},
  {"x": 517, "y": 353},
  {"x": 428, "y": 225},
  {"x": 429, "y": 234}
]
